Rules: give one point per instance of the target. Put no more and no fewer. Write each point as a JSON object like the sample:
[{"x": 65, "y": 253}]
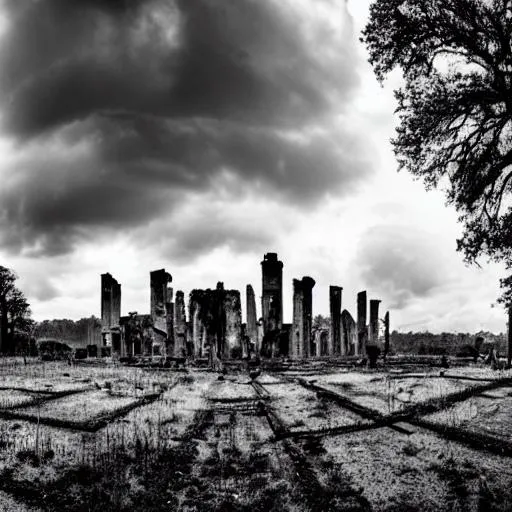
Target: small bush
[{"x": 29, "y": 457}]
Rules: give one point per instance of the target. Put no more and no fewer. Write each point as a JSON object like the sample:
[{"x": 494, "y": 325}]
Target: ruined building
[
  {"x": 136, "y": 334},
  {"x": 215, "y": 331}
]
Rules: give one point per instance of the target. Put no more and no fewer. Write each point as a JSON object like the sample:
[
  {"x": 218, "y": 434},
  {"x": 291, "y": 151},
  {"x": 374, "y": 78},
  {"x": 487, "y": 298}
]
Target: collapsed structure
[{"x": 214, "y": 329}]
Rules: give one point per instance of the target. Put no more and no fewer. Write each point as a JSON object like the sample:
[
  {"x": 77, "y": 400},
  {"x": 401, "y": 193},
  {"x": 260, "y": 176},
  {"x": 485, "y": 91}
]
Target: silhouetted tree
[
  {"x": 14, "y": 311},
  {"x": 455, "y": 108}
]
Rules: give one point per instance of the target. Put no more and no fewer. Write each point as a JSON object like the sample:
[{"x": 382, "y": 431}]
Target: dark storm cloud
[
  {"x": 400, "y": 263},
  {"x": 122, "y": 108}
]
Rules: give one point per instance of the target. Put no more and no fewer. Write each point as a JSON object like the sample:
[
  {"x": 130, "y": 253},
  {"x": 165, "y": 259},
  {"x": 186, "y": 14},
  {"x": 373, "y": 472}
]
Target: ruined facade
[
  {"x": 335, "y": 345},
  {"x": 110, "y": 312},
  {"x": 300, "y": 343},
  {"x": 216, "y": 323}
]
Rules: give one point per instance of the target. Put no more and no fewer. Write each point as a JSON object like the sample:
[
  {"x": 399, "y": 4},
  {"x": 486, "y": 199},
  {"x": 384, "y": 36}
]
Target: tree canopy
[
  {"x": 14, "y": 311},
  {"x": 455, "y": 108}
]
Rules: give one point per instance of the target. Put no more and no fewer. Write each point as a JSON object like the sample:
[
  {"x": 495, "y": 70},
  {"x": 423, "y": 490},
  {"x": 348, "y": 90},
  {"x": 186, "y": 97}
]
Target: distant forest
[
  {"x": 87, "y": 331},
  {"x": 444, "y": 343},
  {"x": 79, "y": 333}
]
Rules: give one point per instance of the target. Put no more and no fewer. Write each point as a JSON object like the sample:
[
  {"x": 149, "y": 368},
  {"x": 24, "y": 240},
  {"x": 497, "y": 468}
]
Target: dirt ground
[{"x": 113, "y": 438}]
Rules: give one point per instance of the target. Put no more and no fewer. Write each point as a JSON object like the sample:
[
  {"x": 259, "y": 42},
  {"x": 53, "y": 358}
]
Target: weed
[{"x": 411, "y": 449}]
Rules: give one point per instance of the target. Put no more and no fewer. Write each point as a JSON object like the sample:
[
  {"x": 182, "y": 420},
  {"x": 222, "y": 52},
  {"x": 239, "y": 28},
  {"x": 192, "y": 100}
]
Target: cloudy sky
[{"x": 196, "y": 135}]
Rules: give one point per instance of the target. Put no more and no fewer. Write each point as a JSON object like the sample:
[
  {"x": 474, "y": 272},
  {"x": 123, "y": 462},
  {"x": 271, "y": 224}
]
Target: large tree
[
  {"x": 14, "y": 311},
  {"x": 455, "y": 108}
]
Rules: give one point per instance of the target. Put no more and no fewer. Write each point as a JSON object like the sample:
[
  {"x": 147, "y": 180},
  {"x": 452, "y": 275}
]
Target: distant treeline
[
  {"x": 79, "y": 333},
  {"x": 426, "y": 343}
]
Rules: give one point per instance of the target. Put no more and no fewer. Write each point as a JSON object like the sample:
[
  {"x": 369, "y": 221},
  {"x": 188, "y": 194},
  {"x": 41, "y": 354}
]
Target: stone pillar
[
  {"x": 252, "y": 329},
  {"x": 386, "y": 334},
  {"x": 374, "y": 321},
  {"x": 106, "y": 300},
  {"x": 296, "y": 342},
  {"x": 335, "y": 345},
  {"x": 272, "y": 293},
  {"x": 350, "y": 339},
  {"x": 180, "y": 326},
  {"x": 259, "y": 338},
  {"x": 170, "y": 328},
  {"x": 362, "y": 332},
  {"x": 110, "y": 309},
  {"x": 308, "y": 283},
  {"x": 194, "y": 315},
  {"x": 231, "y": 305},
  {"x": 302, "y": 317}
]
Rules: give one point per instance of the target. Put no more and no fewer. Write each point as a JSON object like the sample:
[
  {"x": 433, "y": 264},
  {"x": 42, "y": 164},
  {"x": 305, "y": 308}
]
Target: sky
[{"x": 197, "y": 135}]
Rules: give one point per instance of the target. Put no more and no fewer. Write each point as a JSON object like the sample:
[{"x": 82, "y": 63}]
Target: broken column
[
  {"x": 374, "y": 321},
  {"x": 272, "y": 293},
  {"x": 335, "y": 346},
  {"x": 362, "y": 333},
  {"x": 180, "y": 326},
  {"x": 302, "y": 317},
  {"x": 350, "y": 339}
]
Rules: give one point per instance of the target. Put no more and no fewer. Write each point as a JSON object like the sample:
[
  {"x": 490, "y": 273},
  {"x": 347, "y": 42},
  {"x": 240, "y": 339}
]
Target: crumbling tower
[
  {"x": 302, "y": 317},
  {"x": 110, "y": 312},
  {"x": 336, "y": 347},
  {"x": 272, "y": 293},
  {"x": 362, "y": 332}
]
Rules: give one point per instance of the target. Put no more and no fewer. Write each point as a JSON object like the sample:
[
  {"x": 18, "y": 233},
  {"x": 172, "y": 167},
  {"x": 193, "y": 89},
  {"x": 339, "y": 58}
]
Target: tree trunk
[{"x": 4, "y": 332}]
